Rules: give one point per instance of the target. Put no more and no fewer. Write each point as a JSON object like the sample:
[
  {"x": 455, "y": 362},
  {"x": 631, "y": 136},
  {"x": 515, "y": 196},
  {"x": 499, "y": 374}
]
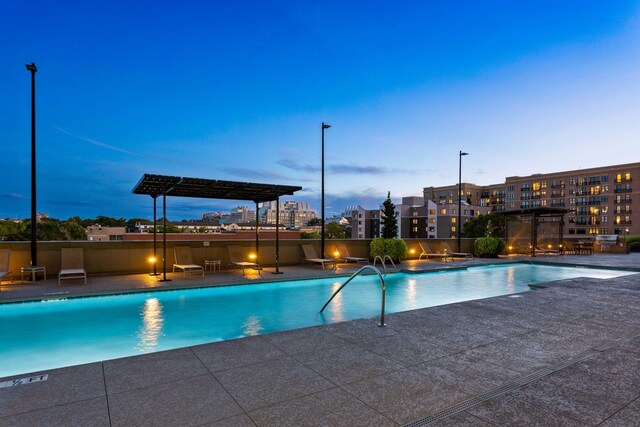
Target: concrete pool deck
[{"x": 568, "y": 354}]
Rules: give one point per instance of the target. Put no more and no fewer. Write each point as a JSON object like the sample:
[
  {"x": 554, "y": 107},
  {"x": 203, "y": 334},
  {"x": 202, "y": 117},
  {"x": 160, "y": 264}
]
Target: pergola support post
[
  {"x": 277, "y": 238},
  {"x": 155, "y": 240},
  {"x": 164, "y": 238}
]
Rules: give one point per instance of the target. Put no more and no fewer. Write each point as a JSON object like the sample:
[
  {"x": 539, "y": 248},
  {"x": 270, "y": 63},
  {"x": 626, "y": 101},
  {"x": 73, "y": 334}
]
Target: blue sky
[{"x": 237, "y": 90}]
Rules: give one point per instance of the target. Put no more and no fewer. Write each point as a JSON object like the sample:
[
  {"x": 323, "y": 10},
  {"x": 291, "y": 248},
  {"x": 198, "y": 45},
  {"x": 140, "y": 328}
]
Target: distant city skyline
[{"x": 237, "y": 91}]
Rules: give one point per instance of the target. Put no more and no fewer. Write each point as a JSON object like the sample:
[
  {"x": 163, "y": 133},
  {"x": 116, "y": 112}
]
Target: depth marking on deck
[{"x": 22, "y": 381}]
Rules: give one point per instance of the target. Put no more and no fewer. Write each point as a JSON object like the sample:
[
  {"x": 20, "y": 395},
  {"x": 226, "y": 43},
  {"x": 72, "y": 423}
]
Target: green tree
[
  {"x": 13, "y": 231},
  {"x": 489, "y": 225},
  {"x": 335, "y": 231},
  {"x": 314, "y": 221},
  {"x": 389, "y": 219},
  {"x": 310, "y": 235}
]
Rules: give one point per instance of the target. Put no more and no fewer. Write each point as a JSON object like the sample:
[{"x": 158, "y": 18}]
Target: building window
[
  {"x": 511, "y": 187},
  {"x": 453, "y": 220},
  {"x": 432, "y": 211},
  {"x": 443, "y": 211},
  {"x": 453, "y": 229},
  {"x": 604, "y": 178}
]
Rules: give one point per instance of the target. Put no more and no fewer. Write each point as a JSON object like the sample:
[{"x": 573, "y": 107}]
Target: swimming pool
[{"x": 48, "y": 334}]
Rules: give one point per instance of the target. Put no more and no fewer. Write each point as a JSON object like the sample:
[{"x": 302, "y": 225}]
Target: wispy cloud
[
  {"x": 12, "y": 196},
  {"x": 341, "y": 169},
  {"x": 98, "y": 143}
]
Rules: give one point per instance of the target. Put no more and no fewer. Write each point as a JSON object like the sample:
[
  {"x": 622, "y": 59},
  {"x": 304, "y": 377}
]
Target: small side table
[
  {"x": 211, "y": 264},
  {"x": 33, "y": 270}
]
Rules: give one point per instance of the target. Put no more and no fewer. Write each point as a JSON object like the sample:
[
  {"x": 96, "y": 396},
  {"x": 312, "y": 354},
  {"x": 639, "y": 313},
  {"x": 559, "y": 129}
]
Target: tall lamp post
[
  {"x": 459, "y": 224},
  {"x": 324, "y": 126},
  {"x": 34, "y": 252}
]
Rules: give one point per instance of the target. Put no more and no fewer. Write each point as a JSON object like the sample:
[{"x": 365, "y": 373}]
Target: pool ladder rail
[
  {"x": 383, "y": 262},
  {"x": 353, "y": 276}
]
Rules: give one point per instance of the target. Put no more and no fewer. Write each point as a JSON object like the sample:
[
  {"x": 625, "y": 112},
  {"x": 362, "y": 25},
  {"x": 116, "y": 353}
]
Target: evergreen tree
[{"x": 389, "y": 220}]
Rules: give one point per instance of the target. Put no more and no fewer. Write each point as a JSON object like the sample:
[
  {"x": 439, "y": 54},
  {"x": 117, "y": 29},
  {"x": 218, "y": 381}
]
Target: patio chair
[
  {"x": 542, "y": 251},
  {"x": 236, "y": 257},
  {"x": 428, "y": 252},
  {"x": 311, "y": 256},
  {"x": 447, "y": 248},
  {"x": 5, "y": 257},
  {"x": 344, "y": 254},
  {"x": 72, "y": 265},
  {"x": 184, "y": 261}
]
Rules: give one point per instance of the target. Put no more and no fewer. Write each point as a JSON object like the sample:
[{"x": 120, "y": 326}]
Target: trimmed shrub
[
  {"x": 488, "y": 247},
  {"x": 395, "y": 248},
  {"x": 633, "y": 241}
]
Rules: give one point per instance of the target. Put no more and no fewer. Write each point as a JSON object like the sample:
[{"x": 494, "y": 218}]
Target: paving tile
[
  {"x": 566, "y": 402},
  {"x": 304, "y": 340},
  {"x": 223, "y": 355},
  {"x": 270, "y": 382},
  {"x": 333, "y": 407},
  {"x": 510, "y": 410},
  {"x": 347, "y": 363},
  {"x": 461, "y": 371},
  {"x": 156, "y": 368},
  {"x": 236, "y": 421},
  {"x": 461, "y": 419},
  {"x": 363, "y": 329},
  {"x": 627, "y": 416},
  {"x": 64, "y": 385},
  {"x": 191, "y": 401},
  {"x": 630, "y": 345},
  {"x": 405, "y": 395},
  {"x": 92, "y": 412},
  {"x": 408, "y": 348}
]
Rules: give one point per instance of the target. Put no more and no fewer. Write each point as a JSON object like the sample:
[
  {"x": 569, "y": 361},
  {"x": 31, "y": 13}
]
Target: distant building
[
  {"x": 241, "y": 214},
  {"x": 98, "y": 233},
  {"x": 365, "y": 223},
  {"x": 293, "y": 215}
]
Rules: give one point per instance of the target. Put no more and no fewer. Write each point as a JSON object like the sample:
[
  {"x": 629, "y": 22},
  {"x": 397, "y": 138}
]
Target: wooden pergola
[{"x": 175, "y": 186}]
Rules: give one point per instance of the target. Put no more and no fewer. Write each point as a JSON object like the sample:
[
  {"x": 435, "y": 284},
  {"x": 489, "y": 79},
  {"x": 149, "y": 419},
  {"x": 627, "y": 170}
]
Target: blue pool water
[{"x": 43, "y": 335}]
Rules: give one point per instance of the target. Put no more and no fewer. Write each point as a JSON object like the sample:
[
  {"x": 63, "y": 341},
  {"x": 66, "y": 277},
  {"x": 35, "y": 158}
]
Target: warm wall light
[
  {"x": 152, "y": 259},
  {"x": 336, "y": 254},
  {"x": 510, "y": 247},
  {"x": 252, "y": 256},
  {"x": 412, "y": 251}
]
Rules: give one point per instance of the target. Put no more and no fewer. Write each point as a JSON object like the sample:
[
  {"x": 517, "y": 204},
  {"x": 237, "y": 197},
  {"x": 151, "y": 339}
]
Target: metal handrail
[
  {"x": 353, "y": 276},
  {"x": 384, "y": 264}
]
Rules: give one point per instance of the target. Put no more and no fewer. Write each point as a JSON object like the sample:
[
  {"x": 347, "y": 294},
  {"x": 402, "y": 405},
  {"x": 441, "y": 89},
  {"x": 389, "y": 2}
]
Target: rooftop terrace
[{"x": 567, "y": 354}]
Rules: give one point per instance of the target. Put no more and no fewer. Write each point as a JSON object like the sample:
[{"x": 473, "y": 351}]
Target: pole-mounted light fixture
[
  {"x": 459, "y": 224},
  {"x": 324, "y": 126}
]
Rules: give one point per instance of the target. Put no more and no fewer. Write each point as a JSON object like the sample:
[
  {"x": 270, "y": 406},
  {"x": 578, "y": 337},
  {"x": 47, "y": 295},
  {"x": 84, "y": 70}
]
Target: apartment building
[
  {"x": 365, "y": 223},
  {"x": 599, "y": 200},
  {"x": 293, "y": 215}
]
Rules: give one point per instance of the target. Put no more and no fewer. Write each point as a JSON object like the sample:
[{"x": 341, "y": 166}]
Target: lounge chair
[
  {"x": 344, "y": 254},
  {"x": 447, "y": 248},
  {"x": 184, "y": 261},
  {"x": 5, "y": 257},
  {"x": 311, "y": 256},
  {"x": 427, "y": 252},
  {"x": 542, "y": 251},
  {"x": 72, "y": 265},
  {"x": 236, "y": 257}
]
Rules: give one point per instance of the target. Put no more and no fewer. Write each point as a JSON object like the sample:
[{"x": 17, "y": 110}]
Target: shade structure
[
  {"x": 158, "y": 185},
  {"x": 203, "y": 188}
]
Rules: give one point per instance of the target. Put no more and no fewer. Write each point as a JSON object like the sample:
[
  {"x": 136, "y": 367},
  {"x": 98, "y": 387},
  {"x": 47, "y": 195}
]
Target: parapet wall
[{"x": 127, "y": 257}]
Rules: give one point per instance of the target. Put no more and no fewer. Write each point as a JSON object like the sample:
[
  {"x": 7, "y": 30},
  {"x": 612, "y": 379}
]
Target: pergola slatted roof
[{"x": 157, "y": 185}]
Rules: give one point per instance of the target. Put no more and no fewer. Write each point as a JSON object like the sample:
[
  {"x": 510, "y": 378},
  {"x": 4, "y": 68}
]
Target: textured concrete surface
[{"x": 355, "y": 373}]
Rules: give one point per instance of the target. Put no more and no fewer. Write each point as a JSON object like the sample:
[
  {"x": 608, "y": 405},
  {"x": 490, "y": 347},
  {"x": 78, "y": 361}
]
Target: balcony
[
  {"x": 625, "y": 222},
  {"x": 619, "y": 202},
  {"x": 557, "y": 185},
  {"x": 557, "y": 205},
  {"x": 525, "y": 189},
  {"x": 594, "y": 202},
  {"x": 581, "y": 203},
  {"x": 594, "y": 182},
  {"x": 525, "y": 198},
  {"x": 622, "y": 190},
  {"x": 560, "y": 194}
]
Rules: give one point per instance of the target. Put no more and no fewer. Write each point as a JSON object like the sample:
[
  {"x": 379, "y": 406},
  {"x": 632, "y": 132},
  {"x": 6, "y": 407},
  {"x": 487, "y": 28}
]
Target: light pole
[
  {"x": 459, "y": 225},
  {"x": 324, "y": 126},
  {"x": 34, "y": 250}
]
